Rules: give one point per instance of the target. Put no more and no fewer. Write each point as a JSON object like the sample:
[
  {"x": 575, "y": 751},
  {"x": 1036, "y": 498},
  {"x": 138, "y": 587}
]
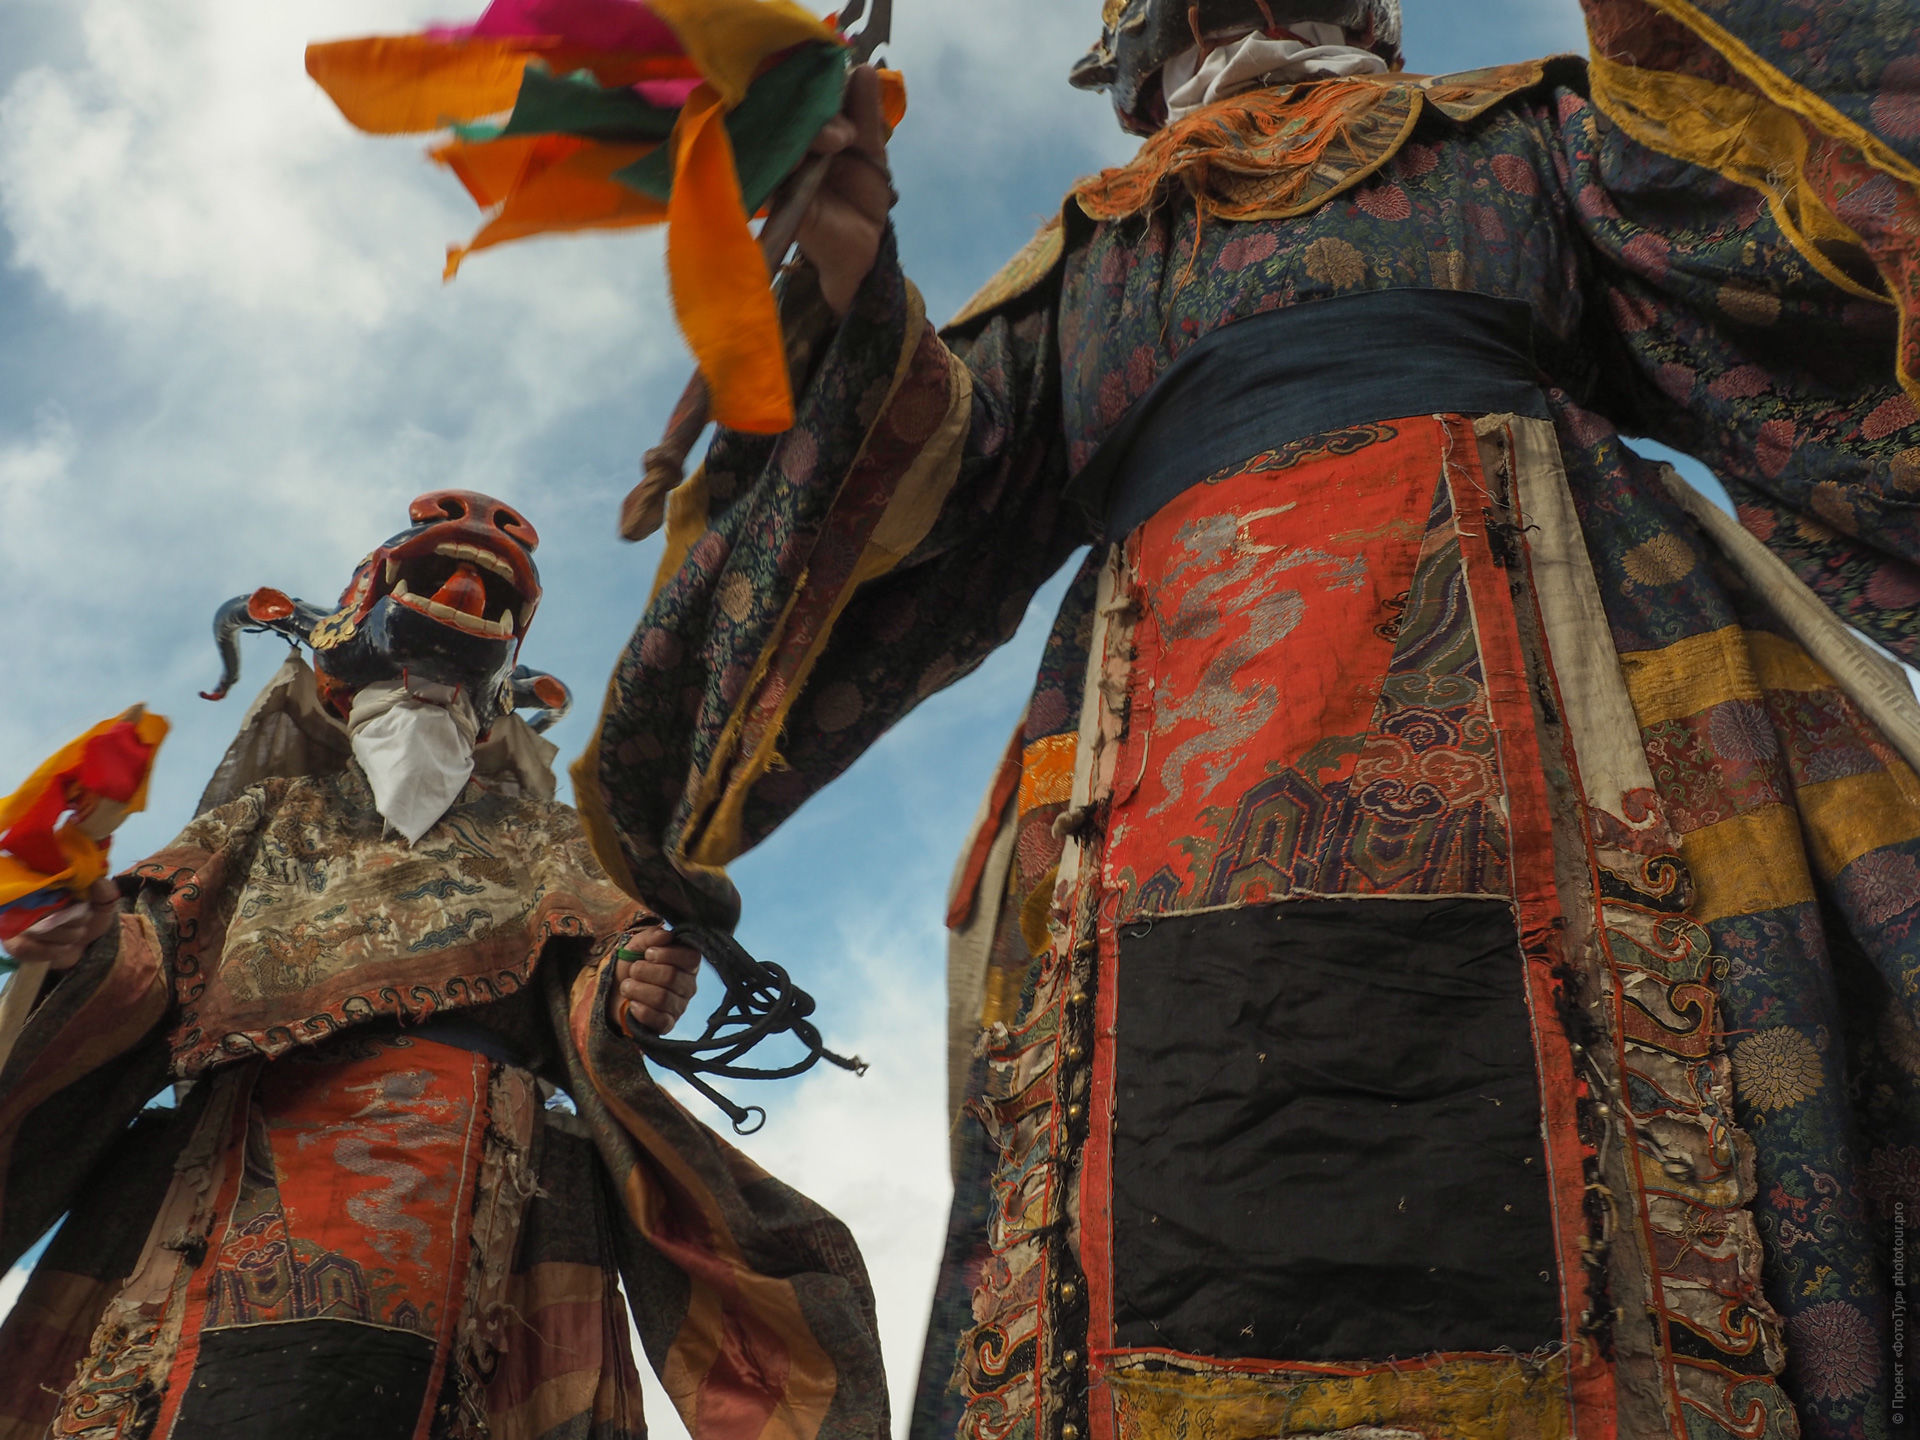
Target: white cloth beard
[
  {"x": 1321, "y": 53},
  {"x": 416, "y": 745}
]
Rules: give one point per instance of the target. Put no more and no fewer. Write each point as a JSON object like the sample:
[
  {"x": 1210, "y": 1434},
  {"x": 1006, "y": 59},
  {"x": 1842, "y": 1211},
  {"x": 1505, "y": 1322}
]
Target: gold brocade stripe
[
  {"x": 1767, "y": 857},
  {"x": 1036, "y": 914},
  {"x": 1464, "y": 1398},
  {"x": 1738, "y": 135},
  {"x": 1691, "y": 676},
  {"x": 1046, "y": 771},
  {"x": 1848, "y": 817},
  {"x": 1025, "y": 271},
  {"x": 1755, "y": 862},
  {"x": 1781, "y": 664},
  {"x": 1814, "y": 111},
  {"x": 1001, "y": 1001},
  {"x": 603, "y": 836},
  {"x": 1787, "y": 93},
  {"x": 687, "y": 519}
]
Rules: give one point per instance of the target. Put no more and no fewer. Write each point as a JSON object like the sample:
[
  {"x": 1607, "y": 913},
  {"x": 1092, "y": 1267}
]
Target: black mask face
[
  {"x": 447, "y": 600},
  {"x": 1140, "y": 36}
]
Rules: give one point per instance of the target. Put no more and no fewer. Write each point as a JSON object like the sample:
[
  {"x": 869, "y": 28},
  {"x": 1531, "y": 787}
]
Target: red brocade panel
[
  {"x": 1308, "y": 715},
  {"x": 1329, "y": 938},
  {"x": 340, "y": 1263}
]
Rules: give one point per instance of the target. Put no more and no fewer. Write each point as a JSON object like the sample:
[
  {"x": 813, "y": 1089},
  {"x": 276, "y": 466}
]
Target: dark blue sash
[{"x": 1271, "y": 379}]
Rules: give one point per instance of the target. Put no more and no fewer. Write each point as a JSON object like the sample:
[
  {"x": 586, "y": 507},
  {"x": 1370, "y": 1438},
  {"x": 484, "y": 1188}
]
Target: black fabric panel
[
  {"x": 306, "y": 1380},
  {"x": 106, "y": 1231},
  {"x": 1327, "y": 1135},
  {"x": 70, "y": 1137},
  {"x": 1274, "y": 378},
  {"x": 567, "y": 1219}
]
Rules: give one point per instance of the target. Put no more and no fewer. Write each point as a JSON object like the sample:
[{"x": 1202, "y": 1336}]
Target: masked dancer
[{"x": 416, "y": 1154}]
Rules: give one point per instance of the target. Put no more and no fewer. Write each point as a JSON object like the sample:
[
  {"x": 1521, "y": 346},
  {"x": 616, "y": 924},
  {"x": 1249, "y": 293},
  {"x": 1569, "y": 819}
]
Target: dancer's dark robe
[{"x": 1445, "y": 946}]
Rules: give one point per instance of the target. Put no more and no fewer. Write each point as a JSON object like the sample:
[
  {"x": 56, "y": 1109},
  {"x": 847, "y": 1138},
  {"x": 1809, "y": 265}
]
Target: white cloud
[{"x": 32, "y": 469}]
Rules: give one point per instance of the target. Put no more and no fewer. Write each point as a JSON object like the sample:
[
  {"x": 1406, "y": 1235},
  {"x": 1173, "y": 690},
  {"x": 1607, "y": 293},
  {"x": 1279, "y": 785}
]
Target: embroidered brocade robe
[
  {"x": 1442, "y": 956},
  {"x": 363, "y": 1219}
]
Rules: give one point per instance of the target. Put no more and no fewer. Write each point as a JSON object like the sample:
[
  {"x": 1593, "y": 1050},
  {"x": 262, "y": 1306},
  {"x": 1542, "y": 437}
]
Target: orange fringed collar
[
  {"x": 1275, "y": 154},
  {"x": 1269, "y": 155}
]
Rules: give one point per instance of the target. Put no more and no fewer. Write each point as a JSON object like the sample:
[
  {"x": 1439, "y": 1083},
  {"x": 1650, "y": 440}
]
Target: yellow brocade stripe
[
  {"x": 688, "y": 505},
  {"x": 1786, "y": 93},
  {"x": 1768, "y": 857},
  {"x": 1738, "y": 135},
  {"x": 1755, "y": 862},
  {"x": 1691, "y": 676},
  {"x": 1037, "y": 911},
  {"x": 1782, "y": 665},
  {"x": 1848, "y": 817},
  {"x": 1001, "y": 1003},
  {"x": 1469, "y": 1398},
  {"x": 1035, "y": 262}
]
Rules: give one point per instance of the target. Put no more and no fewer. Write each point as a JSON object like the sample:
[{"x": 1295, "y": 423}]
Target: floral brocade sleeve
[
  {"x": 821, "y": 583},
  {"x": 1751, "y": 193}
]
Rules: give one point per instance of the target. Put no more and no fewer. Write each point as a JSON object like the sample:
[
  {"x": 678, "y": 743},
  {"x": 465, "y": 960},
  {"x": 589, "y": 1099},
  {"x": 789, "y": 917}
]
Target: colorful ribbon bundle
[
  {"x": 54, "y": 829},
  {"x": 596, "y": 114}
]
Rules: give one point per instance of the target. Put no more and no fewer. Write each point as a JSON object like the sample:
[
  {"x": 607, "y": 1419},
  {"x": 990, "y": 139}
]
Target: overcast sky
[{"x": 230, "y": 362}]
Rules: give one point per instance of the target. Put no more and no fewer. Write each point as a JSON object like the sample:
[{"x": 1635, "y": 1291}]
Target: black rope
[{"x": 761, "y": 1001}]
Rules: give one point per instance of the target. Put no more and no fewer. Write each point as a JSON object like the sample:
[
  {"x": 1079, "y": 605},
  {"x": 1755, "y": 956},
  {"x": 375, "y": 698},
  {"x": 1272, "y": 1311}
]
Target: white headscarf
[
  {"x": 416, "y": 745},
  {"x": 1321, "y": 53}
]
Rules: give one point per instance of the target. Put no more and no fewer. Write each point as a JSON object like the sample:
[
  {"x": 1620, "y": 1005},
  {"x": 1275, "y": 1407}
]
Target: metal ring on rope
[{"x": 761, "y": 1001}]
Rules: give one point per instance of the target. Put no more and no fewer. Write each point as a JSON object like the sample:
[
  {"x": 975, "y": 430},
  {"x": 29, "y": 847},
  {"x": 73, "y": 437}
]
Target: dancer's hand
[
  {"x": 842, "y": 230},
  {"x": 655, "y": 977},
  {"x": 62, "y": 938}
]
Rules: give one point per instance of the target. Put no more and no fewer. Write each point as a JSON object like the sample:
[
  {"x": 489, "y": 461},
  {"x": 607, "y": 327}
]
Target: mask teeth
[{"x": 464, "y": 591}]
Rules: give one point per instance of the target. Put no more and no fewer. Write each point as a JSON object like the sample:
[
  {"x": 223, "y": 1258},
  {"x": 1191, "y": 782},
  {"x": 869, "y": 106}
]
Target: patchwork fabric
[
  {"x": 1309, "y": 705},
  {"x": 1803, "y": 845},
  {"x": 1527, "y": 1233},
  {"x": 1036, "y": 790},
  {"x": 346, "y": 1218}
]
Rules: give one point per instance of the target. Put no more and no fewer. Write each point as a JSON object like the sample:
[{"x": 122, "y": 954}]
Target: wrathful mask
[
  {"x": 1138, "y": 37},
  {"x": 446, "y": 602}
]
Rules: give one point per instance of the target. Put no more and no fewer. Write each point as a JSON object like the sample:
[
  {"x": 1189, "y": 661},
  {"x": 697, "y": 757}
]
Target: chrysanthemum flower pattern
[
  {"x": 1835, "y": 1352},
  {"x": 1776, "y": 1068}
]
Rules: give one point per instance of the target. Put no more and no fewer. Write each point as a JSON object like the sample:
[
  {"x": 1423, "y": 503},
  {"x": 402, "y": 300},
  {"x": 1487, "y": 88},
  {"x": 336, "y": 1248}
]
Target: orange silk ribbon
[{"x": 721, "y": 289}]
